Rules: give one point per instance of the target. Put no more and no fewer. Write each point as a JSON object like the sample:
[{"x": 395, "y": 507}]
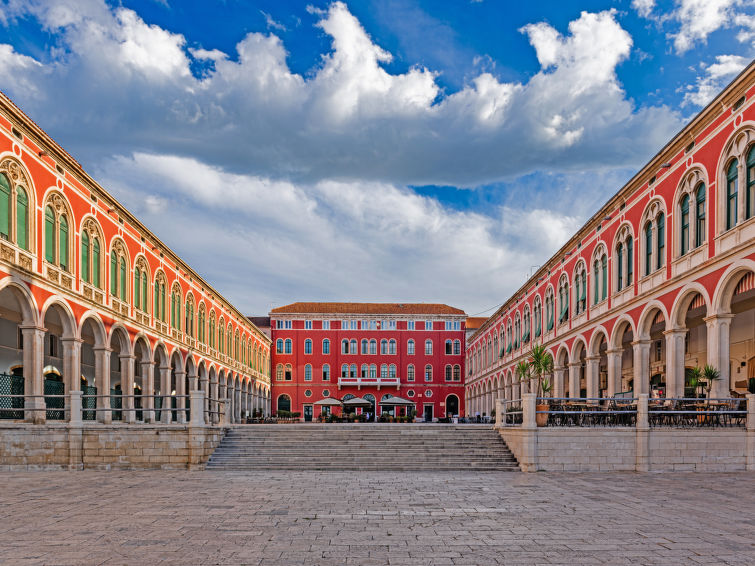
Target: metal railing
[
  {"x": 512, "y": 412},
  {"x": 588, "y": 411},
  {"x": 687, "y": 412}
]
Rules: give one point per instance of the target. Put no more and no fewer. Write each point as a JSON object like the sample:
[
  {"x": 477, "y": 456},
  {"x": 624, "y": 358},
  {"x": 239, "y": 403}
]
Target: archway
[
  {"x": 560, "y": 373},
  {"x": 577, "y": 377},
  {"x": 650, "y": 352},
  {"x": 143, "y": 380},
  {"x": 597, "y": 365},
  {"x": 92, "y": 364},
  {"x": 621, "y": 357},
  {"x": 284, "y": 403},
  {"x": 161, "y": 378},
  {"x": 686, "y": 341},
  {"x": 121, "y": 386},
  {"x": 452, "y": 406},
  {"x": 61, "y": 357}
]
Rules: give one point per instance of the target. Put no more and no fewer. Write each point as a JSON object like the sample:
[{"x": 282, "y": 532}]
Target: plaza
[{"x": 375, "y": 518}]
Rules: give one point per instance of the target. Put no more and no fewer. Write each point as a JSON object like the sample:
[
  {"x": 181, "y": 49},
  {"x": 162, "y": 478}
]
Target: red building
[{"x": 370, "y": 350}]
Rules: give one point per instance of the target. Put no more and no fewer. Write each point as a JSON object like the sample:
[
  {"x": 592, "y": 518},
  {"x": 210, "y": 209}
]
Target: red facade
[{"x": 311, "y": 363}]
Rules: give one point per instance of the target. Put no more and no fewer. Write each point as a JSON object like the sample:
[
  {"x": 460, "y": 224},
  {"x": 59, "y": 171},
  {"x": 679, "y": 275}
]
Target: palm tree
[
  {"x": 541, "y": 363},
  {"x": 710, "y": 374},
  {"x": 523, "y": 370}
]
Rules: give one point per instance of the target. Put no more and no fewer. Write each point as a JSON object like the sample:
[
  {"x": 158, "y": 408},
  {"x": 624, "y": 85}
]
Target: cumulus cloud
[
  {"x": 262, "y": 240},
  {"x": 643, "y": 7},
  {"x": 349, "y": 118},
  {"x": 713, "y": 78}
]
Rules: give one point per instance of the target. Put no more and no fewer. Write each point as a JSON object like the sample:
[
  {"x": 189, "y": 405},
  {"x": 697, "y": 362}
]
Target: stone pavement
[{"x": 375, "y": 518}]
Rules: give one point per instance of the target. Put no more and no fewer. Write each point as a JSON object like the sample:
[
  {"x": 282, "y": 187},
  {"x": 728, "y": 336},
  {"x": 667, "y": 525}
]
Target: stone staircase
[{"x": 371, "y": 446}]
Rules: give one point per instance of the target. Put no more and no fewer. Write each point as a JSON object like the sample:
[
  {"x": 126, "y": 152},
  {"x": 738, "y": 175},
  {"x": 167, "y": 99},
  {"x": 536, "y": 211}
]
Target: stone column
[
  {"x": 72, "y": 363},
  {"x": 237, "y": 404},
  {"x": 34, "y": 381},
  {"x": 614, "y": 357},
  {"x": 181, "y": 403},
  {"x": 102, "y": 381},
  {"x": 193, "y": 380},
  {"x": 529, "y": 410},
  {"x": 244, "y": 403},
  {"x": 214, "y": 406},
  {"x": 592, "y": 377},
  {"x": 642, "y": 461},
  {"x": 148, "y": 389},
  {"x": 641, "y": 366},
  {"x": 498, "y": 413},
  {"x": 718, "y": 350},
  {"x": 196, "y": 403},
  {"x": 205, "y": 389},
  {"x": 675, "y": 362},
  {"x": 127, "y": 387},
  {"x": 574, "y": 368},
  {"x": 166, "y": 414},
  {"x": 75, "y": 418},
  {"x": 750, "y": 433},
  {"x": 559, "y": 374}
]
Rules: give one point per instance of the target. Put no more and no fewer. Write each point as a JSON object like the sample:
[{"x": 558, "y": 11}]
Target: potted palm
[
  {"x": 710, "y": 374},
  {"x": 540, "y": 364},
  {"x": 523, "y": 371}
]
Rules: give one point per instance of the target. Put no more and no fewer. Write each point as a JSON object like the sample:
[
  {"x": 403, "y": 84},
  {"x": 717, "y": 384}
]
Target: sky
[{"x": 371, "y": 150}]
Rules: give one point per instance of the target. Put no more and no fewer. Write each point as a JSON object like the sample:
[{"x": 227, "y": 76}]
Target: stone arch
[
  {"x": 25, "y": 300},
  {"x": 736, "y": 147},
  {"x": 67, "y": 319},
  {"x": 646, "y": 318},
  {"x": 683, "y": 301},
  {"x": 142, "y": 340},
  {"x": 594, "y": 343},
  {"x": 687, "y": 186},
  {"x": 727, "y": 284},
  {"x": 18, "y": 175},
  {"x": 579, "y": 342},
  {"x": 623, "y": 322},
  {"x": 98, "y": 328},
  {"x": 120, "y": 333}
]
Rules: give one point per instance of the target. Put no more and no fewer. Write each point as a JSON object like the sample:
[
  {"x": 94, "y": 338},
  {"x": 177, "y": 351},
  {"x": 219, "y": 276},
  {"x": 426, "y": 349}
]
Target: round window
[
  {"x": 410, "y": 393},
  {"x": 325, "y": 393},
  {"x": 308, "y": 393},
  {"x": 429, "y": 393}
]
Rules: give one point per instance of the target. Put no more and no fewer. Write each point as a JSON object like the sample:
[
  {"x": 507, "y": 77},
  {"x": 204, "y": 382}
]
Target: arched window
[
  {"x": 279, "y": 346},
  {"x": 700, "y": 215},
  {"x": 326, "y": 372},
  {"x": 410, "y": 372},
  {"x": 563, "y": 300},
  {"x": 279, "y": 372},
  {"x": 648, "y": 248},
  {"x": 428, "y": 372},
  {"x": 344, "y": 346},
  {"x": 392, "y": 346},
  {"x": 684, "y": 225},
  {"x": 604, "y": 277},
  {"x": 428, "y": 347},
  {"x": 56, "y": 232},
  {"x": 537, "y": 313},
  {"x": 14, "y": 206},
  {"x": 449, "y": 373},
  {"x": 289, "y": 347},
  {"x": 201, "y": 325},
  {"x": 527, "y": 326},
  {"x": 118, "y": 260},
  {"x": 457, "y": 347},
  {"x": 449, "y": 347},
  {"x": 307, "y": 372},
  {"x": 373, "y": 371},
  {"x": 364, "y": 371},
  {"x": 189, "y": 314},
  {"x": 175, "y": 307},
  {"x": 326, "y": 346},
  {"x": 159, "y": 312},
  {"x": 384, "y": 346},
  {"x": 49, "y": 234},
  {"x": 353, "y": 346},
  {"x": 457, "y": 373},
  {"x": 365, "y": 345},
  {"x": 63, "y": 241},
  {"x": 620, "y": 266},
  {"x": 580, "y": 289},
  {"x": 750, "y": 194},
  {"x": 212, "y": 324},
  {"x": 517, "y": 336},
  {"x": 384, "y": 371},
  {"x": 308, "y": 346},
  {"x": 392, "y": 371},
  {"x": 732, "y": 191},
  {"x": 549, "y": 309},
  {"x": 90, "y": 253},
  {"x": 661, "y": 241},
  {"x": 22, "y": 218},
  {"x": 141, "y": 276},
  {"x": 353, "y": 370},
  {"x": 221, "y": 336},
  {"x": 373, "y": 347},
  {"x": 410, "y": 347}
]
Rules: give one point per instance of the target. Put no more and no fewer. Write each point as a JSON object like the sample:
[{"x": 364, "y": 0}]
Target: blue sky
[{"x": 380, "y": 150}]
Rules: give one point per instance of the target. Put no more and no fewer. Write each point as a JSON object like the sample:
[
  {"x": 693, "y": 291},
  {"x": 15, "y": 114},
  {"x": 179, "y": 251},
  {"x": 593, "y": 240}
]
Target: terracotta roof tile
[
  {"x": 367, "y": 308},
  {"x": 474, "y": 322}
]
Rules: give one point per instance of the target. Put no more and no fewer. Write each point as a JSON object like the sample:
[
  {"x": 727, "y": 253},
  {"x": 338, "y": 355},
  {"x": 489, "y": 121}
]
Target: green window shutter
[
  {"x": 162, "y": 302},
  {"x": 145, "y": 303},
  {"x": 630, "y": 260},
  {"x": 85, "y": 256},
  {"x": 96, "y": 262},
  {"x": 113, "y": 274},
  {"x": 123, "y": 279},
  {"x": 4, "y": 206},
  {"x": 63, "y": 258},
  {"x": 22, "y": 218},
  {"x": 604, "y": 269},
  {"x": 137, "y": 288},
  {"x": 156, "y": 311},
  {"x": 49, "y": 235}
]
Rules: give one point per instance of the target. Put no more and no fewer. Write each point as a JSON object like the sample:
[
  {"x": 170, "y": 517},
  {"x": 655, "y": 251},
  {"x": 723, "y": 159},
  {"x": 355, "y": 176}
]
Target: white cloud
[
  {"x": 643, "y": 7},
  {"x": 713, "y": 78},
  {"x": 699, "y": 18},
  {"x": 261, "y": 240},
  {"x": 271, "y": 23},
  {"x": 349, "y": 118}
]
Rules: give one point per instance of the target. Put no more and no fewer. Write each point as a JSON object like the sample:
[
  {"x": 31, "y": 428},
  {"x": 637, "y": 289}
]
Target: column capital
[
  {"x": 71, "y": 339},
  {"x": 102, "y": 349},
  {"x": 675, "y": 332},
  {"x": 180, "y": 372},
  {"x": 123, "y": 356},
  {"x": 611, "y": 351},
  {"x": 165, "y": 368},
  {"x": 147, "y": 362},
  {"x": 592, "y": 358},
  {"x": 32, "y": 327},
  {"x": 575, "y": 364},
  {"x": 723, "y": 318},
  {"x": 642, "y": 342}
]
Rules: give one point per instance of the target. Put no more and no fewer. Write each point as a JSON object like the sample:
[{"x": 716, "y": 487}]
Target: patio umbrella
[
  {"x": 357, "y": 402},
  {"x": 397, "y": 401},
  {"x": 328, "y": 402}
]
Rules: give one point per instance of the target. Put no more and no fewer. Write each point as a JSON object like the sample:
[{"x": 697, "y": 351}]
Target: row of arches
[
  {"x": 123, "y": 376},
  {"x": 652, "y": 350}
]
